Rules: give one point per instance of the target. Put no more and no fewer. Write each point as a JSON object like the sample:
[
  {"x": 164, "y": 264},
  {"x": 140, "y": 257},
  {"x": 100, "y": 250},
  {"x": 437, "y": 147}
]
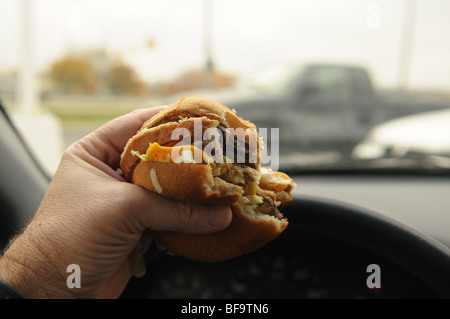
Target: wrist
[
  {"x": 12, "y": 275},
  {"x": 26, "y": 273}
]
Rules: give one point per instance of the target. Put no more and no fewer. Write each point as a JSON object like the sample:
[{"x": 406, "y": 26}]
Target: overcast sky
[{"x": 245, "y": 34}]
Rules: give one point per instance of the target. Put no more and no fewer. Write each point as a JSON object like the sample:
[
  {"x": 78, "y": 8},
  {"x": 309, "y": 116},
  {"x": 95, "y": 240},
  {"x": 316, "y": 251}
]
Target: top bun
[
  {"x": 195, "y": 106},
  {"x": 180, "y": 114}
]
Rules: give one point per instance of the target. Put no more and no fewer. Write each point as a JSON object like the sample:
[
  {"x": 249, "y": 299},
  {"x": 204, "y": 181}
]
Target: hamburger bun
[
  {"x": 248, "y": 233},
  {"x": 255, "y": 194}
]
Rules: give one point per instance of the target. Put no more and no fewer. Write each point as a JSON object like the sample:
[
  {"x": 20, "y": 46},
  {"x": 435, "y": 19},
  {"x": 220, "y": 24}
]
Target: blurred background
[{"x": 350, "y": 84}]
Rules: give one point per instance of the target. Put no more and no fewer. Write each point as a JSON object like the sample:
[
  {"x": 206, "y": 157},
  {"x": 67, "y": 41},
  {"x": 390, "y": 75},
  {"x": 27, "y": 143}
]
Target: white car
[{"x": 424, "y": 133}]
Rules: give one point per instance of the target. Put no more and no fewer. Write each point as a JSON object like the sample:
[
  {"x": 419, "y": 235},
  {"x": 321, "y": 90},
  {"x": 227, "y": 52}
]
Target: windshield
[
  {"x": 276, "y": 78},
  {"x": 350, "y": 85}
]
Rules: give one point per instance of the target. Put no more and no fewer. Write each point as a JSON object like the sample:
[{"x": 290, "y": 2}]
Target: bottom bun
[{"x": 247, "y": 232}]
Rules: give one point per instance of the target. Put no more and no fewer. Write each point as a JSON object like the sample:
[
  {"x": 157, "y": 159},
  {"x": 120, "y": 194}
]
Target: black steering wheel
[
  {"x": 413, "y": 252},
  {"x": 328, "y": 251}
]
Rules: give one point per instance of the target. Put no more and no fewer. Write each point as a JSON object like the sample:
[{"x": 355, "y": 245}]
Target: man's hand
[{"x": 92, "y": 217}]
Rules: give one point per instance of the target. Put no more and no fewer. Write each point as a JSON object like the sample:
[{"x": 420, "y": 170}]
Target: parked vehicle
[
  {"x": 424, "y": 137},
  {"x": 316, "y": 106}
]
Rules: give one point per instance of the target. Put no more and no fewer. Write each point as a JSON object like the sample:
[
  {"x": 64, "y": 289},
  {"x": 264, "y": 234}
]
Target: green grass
[
  {"x": 74, "y": 110},
  {"x": 94, "y": 109}
]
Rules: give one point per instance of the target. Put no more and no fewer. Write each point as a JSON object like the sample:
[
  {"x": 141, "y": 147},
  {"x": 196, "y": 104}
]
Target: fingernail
[{"x": 219, "y": 216}]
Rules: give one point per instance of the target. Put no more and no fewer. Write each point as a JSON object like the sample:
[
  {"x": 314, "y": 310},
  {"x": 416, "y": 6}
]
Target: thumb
[{"x": 159, "y": 213}]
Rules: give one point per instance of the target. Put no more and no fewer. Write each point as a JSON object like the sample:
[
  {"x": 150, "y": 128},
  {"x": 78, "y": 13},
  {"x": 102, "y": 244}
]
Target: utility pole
[
  {"x": 42, "y": 131},
  {"x": 207, "y": 43},
  {"x": 406, "y": 44},
  {"x": 27, "y": 91}
]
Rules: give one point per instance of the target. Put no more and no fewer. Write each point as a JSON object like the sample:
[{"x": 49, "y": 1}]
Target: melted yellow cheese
[{"x": 159, "y": 153}]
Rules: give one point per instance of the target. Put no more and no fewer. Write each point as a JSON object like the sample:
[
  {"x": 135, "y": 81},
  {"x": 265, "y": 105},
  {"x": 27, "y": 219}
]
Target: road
[{"x": 72, "y": 132}]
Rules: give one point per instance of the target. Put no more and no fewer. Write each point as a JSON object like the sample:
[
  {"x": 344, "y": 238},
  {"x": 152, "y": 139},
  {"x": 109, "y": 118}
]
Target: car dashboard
[
  {"x": 419, "y": 201},
  {"x": 339, "y": 226}
]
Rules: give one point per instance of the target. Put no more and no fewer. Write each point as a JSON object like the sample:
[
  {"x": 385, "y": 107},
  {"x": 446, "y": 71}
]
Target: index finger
[{"x": 107, "y": 142}]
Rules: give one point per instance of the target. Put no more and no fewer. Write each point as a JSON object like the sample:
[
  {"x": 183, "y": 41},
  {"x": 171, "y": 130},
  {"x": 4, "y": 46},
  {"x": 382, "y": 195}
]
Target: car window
[
  {"x": 350, "y": 85},
  {"x": 331, "y": 81}
]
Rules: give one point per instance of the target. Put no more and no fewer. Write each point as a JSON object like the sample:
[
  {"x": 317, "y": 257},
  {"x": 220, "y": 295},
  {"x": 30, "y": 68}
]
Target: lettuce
[
  {"x": 139, "y": 266},
  {"x": 143, "y": 157}
]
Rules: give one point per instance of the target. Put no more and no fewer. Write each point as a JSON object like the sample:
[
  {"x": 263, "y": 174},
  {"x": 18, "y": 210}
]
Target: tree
[
  {"x": 122, "y": 79},
  {"x": 74, "y": 75},
  {"x": 193, "y": 80}
]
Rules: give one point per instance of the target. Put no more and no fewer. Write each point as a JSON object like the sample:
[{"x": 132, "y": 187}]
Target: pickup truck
[{"x": 315, "y": 106}]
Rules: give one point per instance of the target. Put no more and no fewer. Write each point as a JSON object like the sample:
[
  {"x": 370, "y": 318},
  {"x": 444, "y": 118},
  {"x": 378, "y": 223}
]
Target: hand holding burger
[{"x": 91, "y": 217}]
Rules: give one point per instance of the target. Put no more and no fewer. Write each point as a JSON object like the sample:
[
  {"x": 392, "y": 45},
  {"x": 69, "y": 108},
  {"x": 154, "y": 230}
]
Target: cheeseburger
[{"x": 199, "y": 150}]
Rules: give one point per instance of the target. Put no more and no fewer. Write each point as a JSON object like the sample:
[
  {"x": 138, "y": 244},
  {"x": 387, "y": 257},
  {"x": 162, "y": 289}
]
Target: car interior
[
  {"x": 324, "y": 253},
  {"x": 370, "y": 215}
]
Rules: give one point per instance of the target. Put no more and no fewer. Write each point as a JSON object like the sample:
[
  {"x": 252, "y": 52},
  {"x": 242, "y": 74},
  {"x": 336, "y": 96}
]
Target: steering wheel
[
  {"x": 413, "y": 252},
  {"x": 329, "y": 250}
]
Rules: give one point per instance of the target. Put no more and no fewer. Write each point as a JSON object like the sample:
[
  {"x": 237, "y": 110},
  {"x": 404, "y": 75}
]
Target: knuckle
[{"x": 187, "y": 215}]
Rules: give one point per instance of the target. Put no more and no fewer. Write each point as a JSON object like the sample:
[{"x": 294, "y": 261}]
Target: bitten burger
[{"x": 199, "y": 150}]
